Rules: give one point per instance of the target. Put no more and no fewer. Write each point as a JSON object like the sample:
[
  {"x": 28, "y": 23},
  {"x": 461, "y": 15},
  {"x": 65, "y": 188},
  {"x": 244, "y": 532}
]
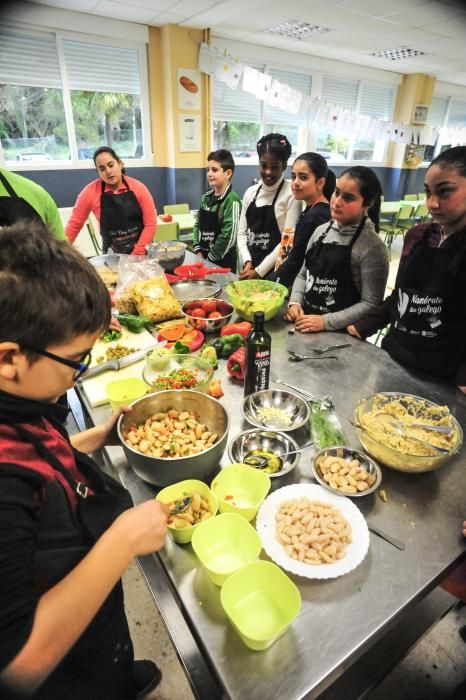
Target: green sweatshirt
[
  {"x": 38, "y": 198},
  {"x": 228, "y": 208}
]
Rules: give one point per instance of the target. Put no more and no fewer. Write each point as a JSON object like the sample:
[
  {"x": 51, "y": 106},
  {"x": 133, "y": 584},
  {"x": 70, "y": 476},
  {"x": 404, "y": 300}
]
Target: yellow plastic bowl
[
  {"x": 225, "y": 544},
  {"x": 122, "y": 392},
  {"x": 240, "y": 489},
  {"x": 261, "y": 602},
  {"x": 180, "y": 490}
]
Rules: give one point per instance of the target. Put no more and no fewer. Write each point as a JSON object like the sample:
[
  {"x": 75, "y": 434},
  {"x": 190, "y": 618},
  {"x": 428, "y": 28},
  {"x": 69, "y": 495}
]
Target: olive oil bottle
[{"x": 258, "y": 348}]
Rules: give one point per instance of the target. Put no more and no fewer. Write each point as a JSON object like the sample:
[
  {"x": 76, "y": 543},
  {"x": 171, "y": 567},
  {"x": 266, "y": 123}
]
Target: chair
[
  {"x": 167, "y": 232},
  {"x": 421, "y": 196},
  {"x": 401, "y": 222},
  {"x": 410, "y": 197},
  {"x": 422, "y": 213},
  {"x": 93, "y": 237},
  {"x": 176, "y": 209}
]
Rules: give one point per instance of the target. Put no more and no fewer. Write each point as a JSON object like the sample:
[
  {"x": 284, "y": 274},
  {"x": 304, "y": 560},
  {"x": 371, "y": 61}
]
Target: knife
[{"x": 118, "y": 364}]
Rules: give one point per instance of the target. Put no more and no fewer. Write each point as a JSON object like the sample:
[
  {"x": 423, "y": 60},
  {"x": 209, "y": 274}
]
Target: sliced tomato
[{"x": 215, "y": 314}]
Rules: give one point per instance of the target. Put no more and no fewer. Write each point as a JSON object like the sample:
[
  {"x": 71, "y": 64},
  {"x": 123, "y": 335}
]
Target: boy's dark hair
[
  {"x": 318, "y": 165},
  {"x": 452, "y": 158},
  {"x": 223, "y": 157},
  {"x": 107, "y": 149},
  {"x": 370, "y": 189},
  {"x": 49, "y": 292},
  {"x": 276, "y": 144}
]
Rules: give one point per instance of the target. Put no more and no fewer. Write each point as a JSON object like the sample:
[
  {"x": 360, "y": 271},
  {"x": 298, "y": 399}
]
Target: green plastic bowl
[
  {"x": 225, "y": 544},
  {"x": 260, "y": 602},
  {"x": 180, "y": 490},
  {"x": 240, "y": 489},
  {"x": 122, "y": 392},
  {"x": 243, "y": 296}
]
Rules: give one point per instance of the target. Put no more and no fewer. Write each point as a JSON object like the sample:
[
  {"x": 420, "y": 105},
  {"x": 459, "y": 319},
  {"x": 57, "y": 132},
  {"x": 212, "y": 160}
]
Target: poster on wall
[
  {"x": 190, "y": 133},
  {"x": 189, "y": 89}
]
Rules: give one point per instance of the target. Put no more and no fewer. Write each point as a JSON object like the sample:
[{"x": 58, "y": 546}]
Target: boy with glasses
[{"x": 67, "y": 531}]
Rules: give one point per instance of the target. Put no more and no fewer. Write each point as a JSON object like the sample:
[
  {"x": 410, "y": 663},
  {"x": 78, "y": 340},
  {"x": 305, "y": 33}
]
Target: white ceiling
[{"x": 357, "y": 27}]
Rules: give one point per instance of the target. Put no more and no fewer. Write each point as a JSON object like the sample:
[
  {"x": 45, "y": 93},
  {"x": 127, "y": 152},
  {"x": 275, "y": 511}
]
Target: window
[
  {"x": 292, "y": 125},
  {"x": 332, "y": 143},
  {"x": 61, "y": 98},
  {"x": 376, "y": 102}
]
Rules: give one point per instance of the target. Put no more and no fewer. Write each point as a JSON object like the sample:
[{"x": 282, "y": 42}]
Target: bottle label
[{"x": 261, "y": 369}]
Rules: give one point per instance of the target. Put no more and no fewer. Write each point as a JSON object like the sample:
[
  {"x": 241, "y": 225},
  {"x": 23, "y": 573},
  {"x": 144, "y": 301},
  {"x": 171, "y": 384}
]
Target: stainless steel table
[{"x": 343, "y": 618}]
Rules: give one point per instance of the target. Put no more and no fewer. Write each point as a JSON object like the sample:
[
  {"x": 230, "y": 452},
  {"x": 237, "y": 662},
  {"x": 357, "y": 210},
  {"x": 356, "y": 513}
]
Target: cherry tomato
[
  {"x": 215, "y": 314},
  {"x": 209, "y": 305},
  {"x": 198, "y": 313}
]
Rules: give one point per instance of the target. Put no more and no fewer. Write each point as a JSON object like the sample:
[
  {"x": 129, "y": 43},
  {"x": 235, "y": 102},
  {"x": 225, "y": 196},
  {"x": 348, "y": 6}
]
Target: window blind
[
  {"x": 341, "y": 93},
  {"x": 437, "y": 111},
  {"x": 457, "y": 116},
  {"x": 102, "y": 68},
  {"x": 236, "y": 105},
  {"x": 29, "y": 59},
  {"x": 376, "y": 101},
  {"x": 298, "y": 81}
]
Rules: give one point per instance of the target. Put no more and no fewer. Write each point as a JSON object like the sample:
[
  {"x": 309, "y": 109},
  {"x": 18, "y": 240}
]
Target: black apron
[
  {"x": 263, "y": 231},
  {"x": 101, "y": 662},
  {"x": 14, "y": 208},
  {"x": 210, "y": 228},
  {"x": 428, "y": 322},
  {"x": 121, "y": 220},
  {"x": 329, "y": 282}
]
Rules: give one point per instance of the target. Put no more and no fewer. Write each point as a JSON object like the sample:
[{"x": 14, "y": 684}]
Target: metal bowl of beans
[
  {"x": 346, "y": 472},
  {"x": 276, "y": 410},
  {"x": 160, "y": 451}
]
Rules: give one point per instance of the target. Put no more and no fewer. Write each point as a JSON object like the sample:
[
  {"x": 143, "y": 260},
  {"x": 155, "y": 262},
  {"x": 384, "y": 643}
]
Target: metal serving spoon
[
  {"x": 295, "y": 357},
  {"x": 259, "y": 462},
  {"x": 388, "y": 419},
  {"x": 400, "y": 431}
]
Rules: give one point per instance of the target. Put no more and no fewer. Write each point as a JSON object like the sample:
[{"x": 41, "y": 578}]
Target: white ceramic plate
[{"x": 266, "y": 524}]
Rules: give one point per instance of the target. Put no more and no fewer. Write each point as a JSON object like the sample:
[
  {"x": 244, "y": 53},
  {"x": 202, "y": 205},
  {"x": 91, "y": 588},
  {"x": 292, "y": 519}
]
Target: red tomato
[
  {"x": 198, "y": 313},
  {"x": 215, "y": 314},
  {"x": 209, "y": 305}
]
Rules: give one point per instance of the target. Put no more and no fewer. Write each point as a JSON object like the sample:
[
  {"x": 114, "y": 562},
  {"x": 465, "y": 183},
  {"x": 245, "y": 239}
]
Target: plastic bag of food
[
  {"x": 132, "y": 269},
  {"x": 155, "y": 298},
  {"x": 325, "y": 427}
]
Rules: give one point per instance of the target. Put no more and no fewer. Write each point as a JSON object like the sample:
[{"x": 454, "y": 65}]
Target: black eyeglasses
[{"x": 80, "y": 365}]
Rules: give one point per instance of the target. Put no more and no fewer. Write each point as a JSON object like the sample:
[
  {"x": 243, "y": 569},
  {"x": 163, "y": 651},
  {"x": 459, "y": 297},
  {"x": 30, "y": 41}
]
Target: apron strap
[
  {"x": 8, "y": 187},
  {"x": 111, "y": 191}
]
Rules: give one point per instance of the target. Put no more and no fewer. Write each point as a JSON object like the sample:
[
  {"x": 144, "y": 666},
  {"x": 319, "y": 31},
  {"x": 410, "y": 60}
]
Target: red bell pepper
[
  {"x": 235, "y": 364},
  {"x": 243, "y": 328}
]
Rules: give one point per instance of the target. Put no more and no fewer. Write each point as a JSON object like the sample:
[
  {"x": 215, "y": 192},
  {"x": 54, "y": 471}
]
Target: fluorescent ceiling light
[
  {"x": 296, "y": 30},
  {"x": 397, "y": 54}
]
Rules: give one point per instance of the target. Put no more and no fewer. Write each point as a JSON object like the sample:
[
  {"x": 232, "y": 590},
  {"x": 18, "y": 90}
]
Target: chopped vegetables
[
  {"x": 180, "y": 348},
  {"x": 178, "y": 379},
  {"x": 272, "y": 414},
  {"x": 110, "y": 335}
]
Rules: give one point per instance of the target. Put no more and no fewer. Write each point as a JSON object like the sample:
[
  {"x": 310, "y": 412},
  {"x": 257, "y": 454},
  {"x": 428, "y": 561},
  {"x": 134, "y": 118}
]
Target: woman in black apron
[
  {"x": 346, "y": 265},
  {"x": 427, "y": 310},
  {"x": 67, "y": 531},
  {"x": 260, "y": 232},
  {"x": 216, "y": 227},
  {"x": 123, "y": 206}
]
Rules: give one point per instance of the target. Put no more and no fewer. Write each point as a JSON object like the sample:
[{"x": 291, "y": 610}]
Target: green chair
[
  {"x": 421, "y": 196},
  {"x": 176, "y": 209},
  {"x": 93, "y": 237},
  {"x": 410, "y": 197},
  {"x": 422, "y": 213},
  {"x": 401, "y": 222},
  {"x": 167, "y": 232}
]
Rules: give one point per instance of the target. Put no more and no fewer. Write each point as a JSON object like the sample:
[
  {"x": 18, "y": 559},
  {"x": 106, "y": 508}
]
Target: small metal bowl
[
  {"x": 208, "y": 325},
  {"x": 278, "y": 443},
  {"x": 295, "y": 407},
  {"x": 348, "y": 454}
]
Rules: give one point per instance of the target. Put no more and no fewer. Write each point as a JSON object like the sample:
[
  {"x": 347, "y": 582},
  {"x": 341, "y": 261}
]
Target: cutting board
[{"x": 95, "y": 387}]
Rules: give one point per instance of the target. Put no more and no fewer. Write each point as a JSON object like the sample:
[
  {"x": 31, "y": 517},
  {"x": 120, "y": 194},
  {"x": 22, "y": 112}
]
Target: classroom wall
[{"x": 168, "y": 185}]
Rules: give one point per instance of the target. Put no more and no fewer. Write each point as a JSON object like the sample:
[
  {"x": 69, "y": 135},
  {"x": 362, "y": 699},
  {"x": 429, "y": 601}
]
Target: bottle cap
[{"x": 258, "y": 316}]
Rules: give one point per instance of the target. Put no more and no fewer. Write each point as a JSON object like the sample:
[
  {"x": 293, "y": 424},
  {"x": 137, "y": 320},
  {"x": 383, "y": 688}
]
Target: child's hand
[
  {"x": 352, "y": 331},
  {"x": 200, "y": 254},
  {"x": 310, "y": 323},
  {"x": 114, "y": 324},
  {"x": 143, "y": 528},
  {"x": 462, "y": 389},
  {"x": 96, "y": 438},
  {"x": 293, "y": 312},
  {"x": 249, "y": 274}
]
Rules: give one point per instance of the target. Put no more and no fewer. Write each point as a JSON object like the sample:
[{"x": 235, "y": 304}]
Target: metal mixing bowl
[
  {"x": 296, "y": 408},
  {"x": 278, "y": 443},
  {"x": 169, "y": 254},
  {"x": 348, "y": 454},
  {"x": 208, "y": 325},
  {"x": 166, "y": 471}
]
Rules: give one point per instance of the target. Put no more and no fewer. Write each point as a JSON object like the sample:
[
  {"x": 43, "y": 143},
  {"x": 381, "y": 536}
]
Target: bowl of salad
[
  {"x": 248, "y": 296},
  {"x": 179, "y": 372}
]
